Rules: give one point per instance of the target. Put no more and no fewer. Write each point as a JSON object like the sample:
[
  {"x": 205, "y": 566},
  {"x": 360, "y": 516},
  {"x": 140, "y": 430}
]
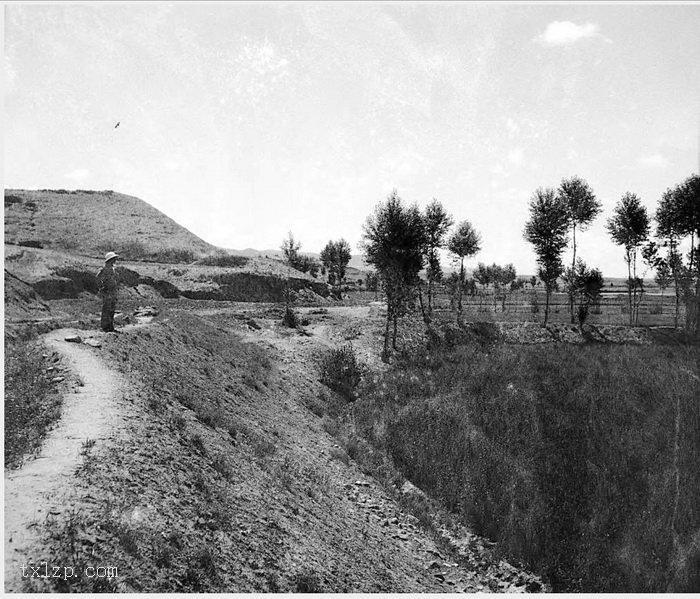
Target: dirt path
[{"x": 40, "y": 487}]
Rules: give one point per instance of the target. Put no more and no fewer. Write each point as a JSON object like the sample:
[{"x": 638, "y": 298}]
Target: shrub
[
  {"x": 223, "y": 259},
  {"x": 291, "y": 318},
  {"x": 307, "y": 581},
  {"x": 341, "y": 371},
  {"x": 171, "y": 256}
]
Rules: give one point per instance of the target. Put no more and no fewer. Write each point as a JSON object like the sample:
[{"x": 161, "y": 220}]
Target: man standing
[{"x": 108, "y": 282}]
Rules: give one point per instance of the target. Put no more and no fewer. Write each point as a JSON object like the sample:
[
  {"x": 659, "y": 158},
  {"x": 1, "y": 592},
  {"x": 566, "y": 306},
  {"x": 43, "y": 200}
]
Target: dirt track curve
[{"x": 93, "y": 411}]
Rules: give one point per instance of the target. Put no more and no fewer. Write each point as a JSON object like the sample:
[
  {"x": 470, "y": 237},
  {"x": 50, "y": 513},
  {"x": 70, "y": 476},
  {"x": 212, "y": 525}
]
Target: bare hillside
[{"x": 93, "y": 222}]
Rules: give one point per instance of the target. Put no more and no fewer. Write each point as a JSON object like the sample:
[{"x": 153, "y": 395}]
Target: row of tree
[
  {"x": 553, "y": 213},
  {"x": 399, "y": 241}
]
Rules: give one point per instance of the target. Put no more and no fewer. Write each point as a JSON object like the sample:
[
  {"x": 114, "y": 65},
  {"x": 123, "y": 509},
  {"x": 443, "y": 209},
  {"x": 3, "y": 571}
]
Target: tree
[
  {"x": 482, "y": 275},
  {"x": 502, "y": 278},
  {"x": 586, "y": 284},
  {"x": 463, "y": 243},
  {"x": 290, "y": 248},
  {"x": 582, "y": 207},
  {"x": 436, "y": 222},
  {"x": 678, "y": 218},
  {"x": 372, "y": 281},
  {"x": 547, "y": 231},
  {"x": 393, "y": 241},
  {"x": 335, "y": 257},
  {"x": 629, "y": 227}
]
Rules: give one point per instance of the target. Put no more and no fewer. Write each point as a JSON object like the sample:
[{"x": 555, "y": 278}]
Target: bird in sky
[{"x": 117, "y": 125}]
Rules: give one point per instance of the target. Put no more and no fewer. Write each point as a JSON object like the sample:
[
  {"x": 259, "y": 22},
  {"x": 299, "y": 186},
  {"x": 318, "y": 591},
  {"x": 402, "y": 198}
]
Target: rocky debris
[
  {"x": 534, "y": 333},
  {"x": 472, "y": 567},
  {"x": 92, "y": 342},
  {"x": 121, "y": 319},
  {"x": 146, "y": 311},
  {"x": 308, "y": 295},
  {"x": 73, "y": 338}
]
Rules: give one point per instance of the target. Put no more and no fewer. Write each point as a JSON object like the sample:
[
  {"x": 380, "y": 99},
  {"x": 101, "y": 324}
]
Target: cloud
[
  {"x": 654, "y": 161},
  {"x": 79, "y": 174},
  {"x": 562, "y": 33}
]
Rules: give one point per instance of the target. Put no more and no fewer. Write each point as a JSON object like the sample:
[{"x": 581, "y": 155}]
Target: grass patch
[
  {"x": 562, "y": 454},
  {"x": 32, "y": 405}
]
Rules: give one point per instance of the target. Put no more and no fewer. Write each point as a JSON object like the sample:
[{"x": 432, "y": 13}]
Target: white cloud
[
  {"x": 654, "y": 161},
  {"x": 561, "y": 33},
  {"x": 79, "y": 174}
]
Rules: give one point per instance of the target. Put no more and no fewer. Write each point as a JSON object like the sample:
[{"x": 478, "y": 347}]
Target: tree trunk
[
  {"x": 385, "y": 353},
  {"x": 571, "y": 290},
  {"x": 430, "y": 297},
  {"x": 547, "y": 292},
  {"x": 426, "y": 315},
  {"x": 629, "y": 285},
  {"x": 459, "y": 291}
]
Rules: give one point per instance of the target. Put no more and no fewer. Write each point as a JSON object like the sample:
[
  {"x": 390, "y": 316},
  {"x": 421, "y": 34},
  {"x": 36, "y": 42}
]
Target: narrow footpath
[{"x": 41, "y": 487}]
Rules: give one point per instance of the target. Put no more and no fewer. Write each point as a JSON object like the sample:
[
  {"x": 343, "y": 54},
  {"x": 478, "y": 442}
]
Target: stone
[
  {"x": 73, "y": 339},
  {"x": 92, "y": 342}
]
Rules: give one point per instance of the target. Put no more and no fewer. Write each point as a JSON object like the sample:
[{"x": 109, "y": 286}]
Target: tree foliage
[
  {"x": 582, "y": 207},
  {"x": 436, "y": 223},
  {"x": 547, "y": 231},
  {"x": 393, "y": 241},
  {"x": 291, "y": 249},
  {"x": 629, "y": 227},
  {"x": 464, "y": 242},
  {"x": 678, "y": 219},
  {"x": 335, "y": 257}
]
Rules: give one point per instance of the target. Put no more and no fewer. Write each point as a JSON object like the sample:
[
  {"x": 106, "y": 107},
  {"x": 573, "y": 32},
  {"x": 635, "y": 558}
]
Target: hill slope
[
  {"x": 93, "y": 222},
  {"x": 220, "y": 474}
]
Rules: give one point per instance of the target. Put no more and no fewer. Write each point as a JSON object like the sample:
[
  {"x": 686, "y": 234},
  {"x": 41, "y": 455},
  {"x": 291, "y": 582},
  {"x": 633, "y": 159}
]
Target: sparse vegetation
[
  {"x": 341, "y": 371},
  {"x": 32, "y": 405},
  {"x": 223, "y": 259}
]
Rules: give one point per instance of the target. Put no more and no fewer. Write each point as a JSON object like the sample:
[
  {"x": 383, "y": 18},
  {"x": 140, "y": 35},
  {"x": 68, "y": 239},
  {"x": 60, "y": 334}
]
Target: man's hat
[{"x": 111, "y": 256}]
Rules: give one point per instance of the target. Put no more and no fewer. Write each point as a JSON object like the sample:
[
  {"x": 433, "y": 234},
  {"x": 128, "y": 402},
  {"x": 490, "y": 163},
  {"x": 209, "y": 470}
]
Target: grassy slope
[
  {"x": 224, "y": 480},
  {"x": 563, "y": 454},
  {"x": 93, "y": 223}
]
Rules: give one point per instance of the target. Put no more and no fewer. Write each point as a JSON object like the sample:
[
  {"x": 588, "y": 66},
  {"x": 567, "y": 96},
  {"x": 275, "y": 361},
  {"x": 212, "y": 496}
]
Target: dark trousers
[{"x": 109, "y": 306}]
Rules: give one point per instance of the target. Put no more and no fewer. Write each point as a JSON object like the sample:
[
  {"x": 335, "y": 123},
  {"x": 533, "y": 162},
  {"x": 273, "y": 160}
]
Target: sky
[{"x": 243, "y": 122}]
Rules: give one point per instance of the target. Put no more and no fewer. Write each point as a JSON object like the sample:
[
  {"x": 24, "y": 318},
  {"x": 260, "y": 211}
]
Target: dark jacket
[{"x": 107, "y": 280}]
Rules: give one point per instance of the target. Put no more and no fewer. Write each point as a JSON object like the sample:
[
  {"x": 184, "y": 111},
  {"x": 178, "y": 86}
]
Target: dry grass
[
  {"x": 32, "y": 405},
  {"x": 562, "y": 454}
]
